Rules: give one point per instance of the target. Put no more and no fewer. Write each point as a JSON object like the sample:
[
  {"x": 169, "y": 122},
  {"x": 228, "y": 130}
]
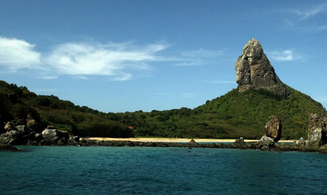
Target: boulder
[
  {"x": 50, "y": 134},
  {"x": 265, "y": 148},
  {"x": 317, "y": 131},
  {"x": 9, "y": 126},
  {"x": 301, "y": 142},
  {"x": 23, "y": 129},
  {"x": 239, "y": 142},
  {"x": 273, "y": 128},
  {"x": 192, "y": 142},
  {"x": 53, "y": 135},
  {"x": 74, "y": 138},
  {"x": 266, "y": 141},
  {"x": 254, "y": 71},
  {"x": 11, "y": 137}
]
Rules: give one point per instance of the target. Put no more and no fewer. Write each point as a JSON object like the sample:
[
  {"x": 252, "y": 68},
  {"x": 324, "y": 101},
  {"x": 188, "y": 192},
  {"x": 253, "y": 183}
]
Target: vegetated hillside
[
  {"x": 232, "y": 115},
  {"x": 248, "y": 112},
  {"x": 19, "y": 102}
]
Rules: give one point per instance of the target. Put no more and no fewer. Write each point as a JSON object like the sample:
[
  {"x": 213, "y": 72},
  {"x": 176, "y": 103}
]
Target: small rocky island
[{"x": 253, "y": 72}]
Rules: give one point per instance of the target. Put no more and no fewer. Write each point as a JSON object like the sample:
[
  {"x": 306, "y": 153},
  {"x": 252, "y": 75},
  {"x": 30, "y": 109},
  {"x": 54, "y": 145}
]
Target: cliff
[{"x": 254, "y": 71}]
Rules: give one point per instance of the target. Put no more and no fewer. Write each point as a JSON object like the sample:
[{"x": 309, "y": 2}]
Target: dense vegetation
[
  {"x": 19, "y": 102},
  {"x": 230, "y": 116}
]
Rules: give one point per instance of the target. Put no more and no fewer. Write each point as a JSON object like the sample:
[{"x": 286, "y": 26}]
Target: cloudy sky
[{"x": 117, "y": 56}]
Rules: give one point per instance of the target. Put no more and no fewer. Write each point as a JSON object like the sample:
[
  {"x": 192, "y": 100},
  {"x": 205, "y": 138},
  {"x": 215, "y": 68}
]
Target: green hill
[
  {"x": 20, "y": 103},
  {"x": 232, "y": 115}
]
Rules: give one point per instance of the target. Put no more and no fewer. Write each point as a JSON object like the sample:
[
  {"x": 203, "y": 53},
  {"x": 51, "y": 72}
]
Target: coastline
[{"x": 175, "y": 140}]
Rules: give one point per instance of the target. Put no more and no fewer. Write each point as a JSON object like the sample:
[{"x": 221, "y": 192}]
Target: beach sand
[{"x": 174, "y": 140}]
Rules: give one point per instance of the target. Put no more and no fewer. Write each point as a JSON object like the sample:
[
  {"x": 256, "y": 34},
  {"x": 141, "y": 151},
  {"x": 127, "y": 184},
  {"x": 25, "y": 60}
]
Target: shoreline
[{"x": 175, "y": 140}]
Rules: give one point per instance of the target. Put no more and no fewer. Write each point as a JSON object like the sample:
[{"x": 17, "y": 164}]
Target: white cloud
[
  {"x": 112, "y": 59},
  {"x": 286, "y": 55},
  {"x": 18, "y": 54},
  {"x": 117, "y": 61},
  {"x": 303, "y": 20},
  {"x": 308, "y": 13}
]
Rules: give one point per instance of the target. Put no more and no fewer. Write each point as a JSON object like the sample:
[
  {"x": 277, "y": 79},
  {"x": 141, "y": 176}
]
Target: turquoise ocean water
[{"x": 140, "y": 170}]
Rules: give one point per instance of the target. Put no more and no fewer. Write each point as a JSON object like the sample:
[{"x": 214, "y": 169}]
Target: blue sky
[{"x": 117, "y": 56}]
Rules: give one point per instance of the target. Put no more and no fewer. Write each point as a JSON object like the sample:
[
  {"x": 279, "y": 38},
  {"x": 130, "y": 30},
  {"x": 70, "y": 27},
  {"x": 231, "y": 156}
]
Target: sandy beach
[{"x": 173, "y": 140}]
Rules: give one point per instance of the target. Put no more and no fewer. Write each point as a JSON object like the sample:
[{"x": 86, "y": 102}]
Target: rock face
[
  {"x": 317, "y": 131},
  {"x": 254, "y": 71},
  {"x": 273, "y": 128}
]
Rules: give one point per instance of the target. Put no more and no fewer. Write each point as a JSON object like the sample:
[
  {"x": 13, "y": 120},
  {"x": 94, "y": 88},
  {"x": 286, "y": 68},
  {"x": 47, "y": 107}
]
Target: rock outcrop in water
[
  {"x": 273, "y": 128},
  {"x": 254, "y": 71},
  {"x": 317, "y": 131}
]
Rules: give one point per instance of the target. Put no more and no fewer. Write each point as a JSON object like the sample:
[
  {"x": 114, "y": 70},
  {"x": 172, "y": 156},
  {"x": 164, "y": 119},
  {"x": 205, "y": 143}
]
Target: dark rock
[
  {"x": 192, "y": 142},
  {"x": 34, "y": 125},
  {"x": 62, "y": 141},
  {"x": 2, "y": 130},
  {"x": 74, "y": 138},
  {"x": 265, "y": 148},
  {"x": 13, "y": 98},
  {"x": 273, "y": 128},
  {"x": 38, "y": 137},
  {"x": 239, "y": 143},
  {"x": 323, "y": 149},
  {"x": 8, "y": 148},
  {"x": 254, "y": 71},
  {"x": 32, "y": 143},
  {"x": 23, "y": 129}
]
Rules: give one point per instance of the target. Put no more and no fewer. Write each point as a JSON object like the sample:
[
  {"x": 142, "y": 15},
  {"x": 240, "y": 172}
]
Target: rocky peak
[{"x": 254, "y": 71}]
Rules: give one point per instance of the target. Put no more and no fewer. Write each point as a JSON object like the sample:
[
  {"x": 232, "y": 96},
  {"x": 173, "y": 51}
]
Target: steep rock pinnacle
[{"x": 254, "y": 71}]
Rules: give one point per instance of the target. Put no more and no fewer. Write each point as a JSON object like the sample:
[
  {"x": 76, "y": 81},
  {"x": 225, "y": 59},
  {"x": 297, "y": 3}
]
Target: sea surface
[{"x": 141, "y": 170}]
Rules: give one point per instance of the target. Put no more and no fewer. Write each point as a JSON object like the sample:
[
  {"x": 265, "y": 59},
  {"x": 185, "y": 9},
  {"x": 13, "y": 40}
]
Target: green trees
[
  {"x": 233, "y": 115},
  {"x": 64, "y": 115}
]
